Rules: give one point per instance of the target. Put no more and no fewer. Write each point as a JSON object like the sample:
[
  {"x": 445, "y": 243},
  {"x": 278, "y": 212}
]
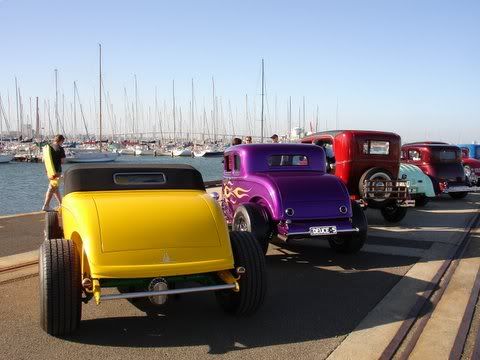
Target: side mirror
[{"x": 215, "y": 195}]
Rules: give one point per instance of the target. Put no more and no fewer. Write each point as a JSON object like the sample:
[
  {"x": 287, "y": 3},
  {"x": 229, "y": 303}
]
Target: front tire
[
  {"x": 393, "y": 213},
  {"x": 352, "y": 243},
  {"x": 458, "y": 195},
  {"x": 254, "y": 219},
  {"x": 253, "y": 283},
  {"x": 60, "y": 287}
]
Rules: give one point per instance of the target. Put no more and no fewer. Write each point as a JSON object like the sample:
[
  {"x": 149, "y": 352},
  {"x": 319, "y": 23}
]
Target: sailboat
[
  {"x": 5, "y": 158},
  {"x": 94, "y": 156}
]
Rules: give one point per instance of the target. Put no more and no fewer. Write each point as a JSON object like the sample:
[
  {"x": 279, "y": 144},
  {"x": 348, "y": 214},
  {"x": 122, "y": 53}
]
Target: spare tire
[{"x": 379, "y": 174}]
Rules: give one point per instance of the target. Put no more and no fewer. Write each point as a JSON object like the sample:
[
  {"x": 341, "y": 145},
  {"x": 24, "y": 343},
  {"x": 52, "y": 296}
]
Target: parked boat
[
  {"x": 5, "y": 158},
  {"x": 91, "y": 157},
  {"x": 182, "y": 152},
  {"x": 208, "y": 153}
]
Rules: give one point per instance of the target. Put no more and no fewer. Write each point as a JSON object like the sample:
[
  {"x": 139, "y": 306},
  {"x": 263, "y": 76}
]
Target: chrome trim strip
[{"x": 135, "y": 295}]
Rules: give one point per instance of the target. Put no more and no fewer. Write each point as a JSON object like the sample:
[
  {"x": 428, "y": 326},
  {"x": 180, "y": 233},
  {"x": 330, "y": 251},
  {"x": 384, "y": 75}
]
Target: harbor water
[{"x": 23, "y": 185}]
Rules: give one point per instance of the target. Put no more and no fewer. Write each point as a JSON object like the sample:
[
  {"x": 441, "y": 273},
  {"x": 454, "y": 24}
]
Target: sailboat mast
[
  {"x": 263, "y": 95},
  {"x": 19, "y": 130},
  {"x": 37, "y": 120},
  {"x": 100, "y": 87},
  {"x": 193, "y": 107},
  {"x": 174, "y": 120},
  {"x": 136, "y": 119},
  {"x": 57, "y": 126},
  {"x": 74, "y": 112}
]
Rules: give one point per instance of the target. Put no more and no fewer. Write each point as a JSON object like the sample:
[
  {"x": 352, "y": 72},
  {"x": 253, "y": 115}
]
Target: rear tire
[
  {"x": 352, "y": 243},
  {"x": 393, "y": 213},
  {"x": 52, "y": 226},
  {"x": 60, "y": 287},
  {"x": 253, "y": 218},
  {"x": 458, "y": 195},
  {"x": 253, "y": 284},
  {"x": 421, "y": 201}
]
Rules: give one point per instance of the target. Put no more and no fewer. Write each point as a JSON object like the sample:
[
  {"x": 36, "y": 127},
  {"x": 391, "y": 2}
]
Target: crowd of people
[{"x": 248, "y": 140}]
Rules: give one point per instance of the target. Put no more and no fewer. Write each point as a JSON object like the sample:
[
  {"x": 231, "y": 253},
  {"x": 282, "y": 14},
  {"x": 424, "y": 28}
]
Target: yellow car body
[
  {"x": 149, "y": 231},
  {"x": 141, "y": 234}
]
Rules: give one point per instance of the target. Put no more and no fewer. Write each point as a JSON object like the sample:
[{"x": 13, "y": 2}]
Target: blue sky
[{"x": 412, "y": 67}]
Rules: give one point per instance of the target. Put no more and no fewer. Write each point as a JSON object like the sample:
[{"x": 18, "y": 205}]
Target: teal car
[{"x": 421, "y": 186}]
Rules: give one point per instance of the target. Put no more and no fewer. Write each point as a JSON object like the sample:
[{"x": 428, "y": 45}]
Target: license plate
[{"x": 323, "y": 230}]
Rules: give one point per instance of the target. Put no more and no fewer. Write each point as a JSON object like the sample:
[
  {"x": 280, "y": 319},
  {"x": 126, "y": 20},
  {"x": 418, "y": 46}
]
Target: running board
[{"x": 142, "y": 294}]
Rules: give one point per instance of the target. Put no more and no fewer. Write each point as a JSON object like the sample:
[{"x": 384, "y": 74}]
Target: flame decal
[{"x": 233, "y": 194}]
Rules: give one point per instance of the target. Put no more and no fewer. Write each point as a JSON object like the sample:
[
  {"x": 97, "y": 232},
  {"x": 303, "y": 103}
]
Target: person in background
[
  {"x": 236, "y": 141},
  {"x": 58, "y": 157},
  {"x": 248, "y": 140},
  {"x": 274, "y": 138}
]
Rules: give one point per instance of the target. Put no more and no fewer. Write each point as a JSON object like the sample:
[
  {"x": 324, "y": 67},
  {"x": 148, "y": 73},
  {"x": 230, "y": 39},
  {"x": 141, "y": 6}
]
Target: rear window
[
  {"x": 139, "y": 178},
  {"x": 376, "y": 147},
  {"x": 288, "y": 160},
  {"x": 446, "y": 155}
]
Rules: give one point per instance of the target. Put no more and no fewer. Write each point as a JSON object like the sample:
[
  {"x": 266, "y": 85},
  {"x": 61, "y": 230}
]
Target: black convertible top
[{"x": 100, "y": 177}]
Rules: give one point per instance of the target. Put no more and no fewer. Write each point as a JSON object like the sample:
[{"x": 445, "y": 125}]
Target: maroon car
[
  {"x": 442, "y": 162},
  {"x": 368, "y": 162}
]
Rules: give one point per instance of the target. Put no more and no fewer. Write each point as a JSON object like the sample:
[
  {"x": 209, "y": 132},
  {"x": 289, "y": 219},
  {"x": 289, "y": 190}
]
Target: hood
[
  {"x": 312, "y": 195},
  {"x": 148, "y": 220}
]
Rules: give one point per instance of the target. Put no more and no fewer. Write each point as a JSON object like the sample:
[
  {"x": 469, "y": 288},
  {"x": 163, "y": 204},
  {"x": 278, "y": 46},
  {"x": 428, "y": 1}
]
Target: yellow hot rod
[{"x": 148, "y": 230}]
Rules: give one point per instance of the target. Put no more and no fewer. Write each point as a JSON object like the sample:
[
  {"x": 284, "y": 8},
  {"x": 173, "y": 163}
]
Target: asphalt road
[{"x": 315, "y": 299}]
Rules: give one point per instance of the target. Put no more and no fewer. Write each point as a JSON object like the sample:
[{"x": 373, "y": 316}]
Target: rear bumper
[
  {"x": 302, "y": 229},
  {"x": 463, "y": 188}
]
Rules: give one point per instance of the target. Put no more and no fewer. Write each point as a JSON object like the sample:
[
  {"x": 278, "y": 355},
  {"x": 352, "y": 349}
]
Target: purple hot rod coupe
[{"x": 283, "y": 190}]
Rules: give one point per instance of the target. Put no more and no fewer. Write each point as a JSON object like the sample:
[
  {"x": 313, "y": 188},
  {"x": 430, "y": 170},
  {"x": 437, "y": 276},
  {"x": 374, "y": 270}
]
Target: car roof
[
  {"x": 101, "y": 177},
  {"x": 272, "y": 148},
  {"x": 430, "y": 144},
  {"x": 355, "y": 132}
]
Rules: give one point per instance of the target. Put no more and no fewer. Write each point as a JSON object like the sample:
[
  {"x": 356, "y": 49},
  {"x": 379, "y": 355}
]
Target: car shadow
[{"x": 306, "y": 301}]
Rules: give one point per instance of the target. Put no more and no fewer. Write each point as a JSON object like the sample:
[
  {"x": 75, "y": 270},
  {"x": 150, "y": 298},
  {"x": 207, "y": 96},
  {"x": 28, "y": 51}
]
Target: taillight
[{"x": 443, "y": 185}]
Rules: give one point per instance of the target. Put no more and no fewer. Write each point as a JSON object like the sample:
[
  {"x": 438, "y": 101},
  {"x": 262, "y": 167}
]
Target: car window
[
  {"x": 236, "y": 163},
  {"x": 327, "y": 147},
  {"x": 446, "y": 155},
  {"x": 376, "y": 147},
  {"x": 288, "y": 160},
  {"x": 226, "y": 163},
  {"x": 139, "y": 178},
  {"x": 477, "y": 152},
  {"x": 414, "y": 155}
]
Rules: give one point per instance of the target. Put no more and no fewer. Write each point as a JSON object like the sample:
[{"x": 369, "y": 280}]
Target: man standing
[
  {"x": 274, "y": 138},
  {"x": 58, "y": 156}
]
